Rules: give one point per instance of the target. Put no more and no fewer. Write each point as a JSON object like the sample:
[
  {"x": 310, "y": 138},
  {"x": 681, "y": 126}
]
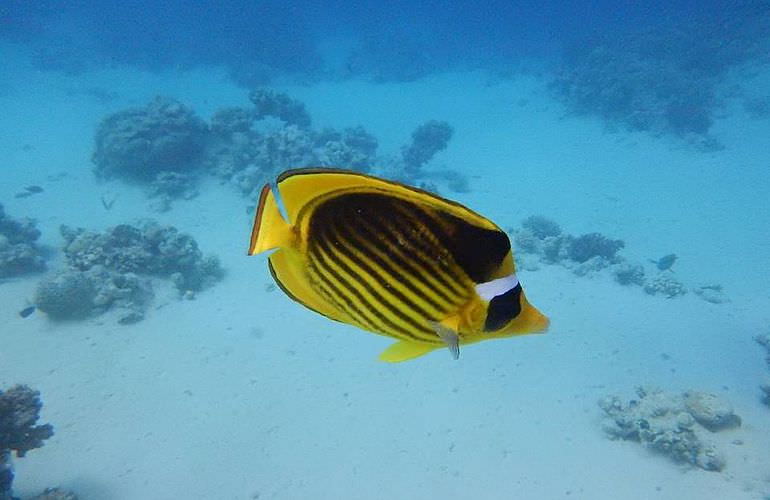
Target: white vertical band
[{"x": 499, "y": 286}]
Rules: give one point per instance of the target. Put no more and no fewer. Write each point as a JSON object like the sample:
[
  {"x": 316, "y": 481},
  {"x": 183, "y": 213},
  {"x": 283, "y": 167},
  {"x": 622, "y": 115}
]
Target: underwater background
[{"x": 623, "y": 146}]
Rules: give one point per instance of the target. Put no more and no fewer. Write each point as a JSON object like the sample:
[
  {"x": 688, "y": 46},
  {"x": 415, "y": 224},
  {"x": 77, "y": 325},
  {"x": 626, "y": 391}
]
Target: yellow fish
[{"x": 392, "y": 259}]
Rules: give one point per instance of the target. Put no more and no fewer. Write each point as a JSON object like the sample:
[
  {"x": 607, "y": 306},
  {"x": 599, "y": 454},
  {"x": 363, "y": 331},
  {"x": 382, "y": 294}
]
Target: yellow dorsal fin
[
  {"x": 299, "y": 186},
  {"x": 270, "y": 228},
  {"x": 404, "y": 351}
]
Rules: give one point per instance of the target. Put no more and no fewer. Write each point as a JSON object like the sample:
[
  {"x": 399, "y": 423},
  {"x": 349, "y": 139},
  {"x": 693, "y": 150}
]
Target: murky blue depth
[{"x": 621, "y": 146}]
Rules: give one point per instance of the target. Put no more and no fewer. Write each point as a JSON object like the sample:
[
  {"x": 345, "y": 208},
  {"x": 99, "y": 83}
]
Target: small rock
[{"x": 710, "y": 411}]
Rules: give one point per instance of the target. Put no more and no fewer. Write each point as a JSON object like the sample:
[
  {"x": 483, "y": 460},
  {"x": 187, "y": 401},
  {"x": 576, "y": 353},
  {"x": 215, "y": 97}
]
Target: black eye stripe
[{"x": 502, "y": 309}]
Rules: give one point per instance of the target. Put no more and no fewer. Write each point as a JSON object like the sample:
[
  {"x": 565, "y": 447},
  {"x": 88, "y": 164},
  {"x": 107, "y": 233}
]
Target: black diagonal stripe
[
  {"x": 348, "y": 250},
  {"x": 324, "y": 269},
  {"x": 425, "y": 221},
  {"x": 363, "y": 237},
  {"x": 332, "y": 295},
  {"x": 421, "y": 254},
  {"x": 324, "y": 245}
]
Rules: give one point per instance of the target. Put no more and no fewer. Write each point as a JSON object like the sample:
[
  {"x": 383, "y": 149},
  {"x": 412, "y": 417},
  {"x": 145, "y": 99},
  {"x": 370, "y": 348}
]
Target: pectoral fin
[
  {"x": 449, "y": 336},
  {"x": 404, "y": 351}
]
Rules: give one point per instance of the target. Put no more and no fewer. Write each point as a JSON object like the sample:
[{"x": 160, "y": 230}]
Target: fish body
[
  {"x": 666, "y": 262},
  {"x": 393, "y": 260},
  {"x": 27, "y": 311}
]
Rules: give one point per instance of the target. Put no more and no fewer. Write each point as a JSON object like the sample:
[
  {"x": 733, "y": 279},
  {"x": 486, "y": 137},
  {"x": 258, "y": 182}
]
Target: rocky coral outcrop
[
  {"x": 19, "y": 431},
  {"x": 114, "y": 270},
  {"x": 675, "y": 425},
  {"x": 19, "y": 252}
]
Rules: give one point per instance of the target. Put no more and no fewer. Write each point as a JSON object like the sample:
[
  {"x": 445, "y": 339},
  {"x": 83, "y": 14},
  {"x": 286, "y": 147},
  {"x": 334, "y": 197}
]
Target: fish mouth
[{"x": 542, "y": 324}]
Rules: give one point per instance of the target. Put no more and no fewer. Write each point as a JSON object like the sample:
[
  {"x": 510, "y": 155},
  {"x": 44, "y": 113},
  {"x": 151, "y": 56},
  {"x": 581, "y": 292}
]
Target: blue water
[{"x": 645, "y": 122}]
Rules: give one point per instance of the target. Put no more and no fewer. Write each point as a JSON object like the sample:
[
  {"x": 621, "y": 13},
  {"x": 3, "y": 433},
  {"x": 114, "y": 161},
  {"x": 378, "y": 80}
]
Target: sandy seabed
[{"x": 242, "y": 394}]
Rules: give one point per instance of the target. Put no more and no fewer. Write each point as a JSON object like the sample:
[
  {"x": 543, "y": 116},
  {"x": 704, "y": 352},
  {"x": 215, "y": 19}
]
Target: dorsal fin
[{"x": 299, "y": 186}]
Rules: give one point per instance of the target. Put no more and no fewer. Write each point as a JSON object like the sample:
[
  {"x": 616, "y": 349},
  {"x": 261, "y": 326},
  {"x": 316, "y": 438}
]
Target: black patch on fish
[
  {"x": 26, "y": 311},
  {"x": 503, "y": 308},
  {"x": 479, "y": 251}
]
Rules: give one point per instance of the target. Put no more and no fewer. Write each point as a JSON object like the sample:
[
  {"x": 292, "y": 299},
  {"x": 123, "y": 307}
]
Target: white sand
[{"x": 242, "y": 394}]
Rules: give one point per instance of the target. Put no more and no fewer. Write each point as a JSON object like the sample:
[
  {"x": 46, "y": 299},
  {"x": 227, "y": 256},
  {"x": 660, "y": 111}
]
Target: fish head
[{"x": 529, "y": 320}]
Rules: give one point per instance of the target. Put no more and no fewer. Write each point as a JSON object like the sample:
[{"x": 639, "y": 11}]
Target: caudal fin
[{"x": 270, "y": 228}]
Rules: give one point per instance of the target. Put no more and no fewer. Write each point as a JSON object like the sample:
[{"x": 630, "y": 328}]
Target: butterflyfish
[{"x": 391, "y": 259}]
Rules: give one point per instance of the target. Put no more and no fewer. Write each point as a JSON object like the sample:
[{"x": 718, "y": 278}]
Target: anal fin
[{"x": 404, "y": 351}]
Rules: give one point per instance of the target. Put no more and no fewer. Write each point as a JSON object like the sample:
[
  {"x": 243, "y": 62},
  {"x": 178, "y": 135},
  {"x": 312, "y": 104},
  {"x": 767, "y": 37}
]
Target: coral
[
  {"x": 149, "y": 249},
  {"x": 629, "y": 274},
  {"x": 19, "y": 412},
  {"x": 228, "y": 121},
  {"x": 524, "y": 240},
  {"x": 140, "y": 143},
  {"x": 66, "y": 295},
  {"x": 587, "y": 246},
  {"x": 111, "y": 270},
  {"x": 169, "y": 186},
  {"x": 671, "y": 424},
  {"x": 664, "y": 79},
  {"x": 541, "y": 227},
  {"x": 591, "y": 266},
  {"x": 710, "y": 411},
  {"x": 74, "y": 294},
  {"x": 287, "y": 147},
  {"x": 355, "y": 148},
  {"x": 555, "y": 248},
  {"x": 665, "y": 284},
  {"x": 279, "y": 105},
  {"x": 19, "y": 253},
  {"x": 427, "y": 140}
]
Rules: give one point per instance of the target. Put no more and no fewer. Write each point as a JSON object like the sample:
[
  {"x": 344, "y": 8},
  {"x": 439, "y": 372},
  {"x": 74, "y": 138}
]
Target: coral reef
[
  {"x": 247, "y": 154},
  {"x": 112, "y": 270},
  {"x": 168, "y": 186},
  {"x": 19, "y": 253},
  {"x": 279, "y": 105},
  {"x": 588, "y": 246},
  {"x": 19, "y": 412},
  {"x": 541, "y": 227},
  {"x": 75, "y": 294},
  {"x": 665, "y": 284},
  {"x": 674, "y": 425},
  {"x": 629, "y": 274},
  {"x": 354, "y": 148},
  {"x": 710, "y": 411},
  {"x": 427, "y": 140},
  {"x": 66, "y": 295},
  {"x": 162, "y": 144},
  {"x": 665, "y": 79},
  {"x": 540, "y": 238},
  {"x": 140, "y": 143}
]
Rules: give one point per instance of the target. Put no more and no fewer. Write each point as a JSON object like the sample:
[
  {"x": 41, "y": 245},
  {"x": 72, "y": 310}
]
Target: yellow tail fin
[{"x": 270, "y": 228}]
